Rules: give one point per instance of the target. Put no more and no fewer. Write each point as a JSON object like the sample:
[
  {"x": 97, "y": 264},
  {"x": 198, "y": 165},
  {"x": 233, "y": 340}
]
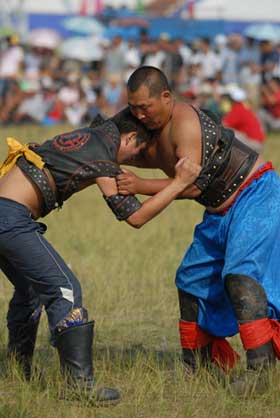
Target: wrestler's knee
[
  {"x": 22, "y": 305},
  {"x": 188, "y": 306},
  {"x": 247, "y": 295}
]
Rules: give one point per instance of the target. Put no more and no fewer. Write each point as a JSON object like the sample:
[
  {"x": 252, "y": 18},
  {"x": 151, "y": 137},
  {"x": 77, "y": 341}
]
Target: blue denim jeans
[{"x": 39, "y": 275}]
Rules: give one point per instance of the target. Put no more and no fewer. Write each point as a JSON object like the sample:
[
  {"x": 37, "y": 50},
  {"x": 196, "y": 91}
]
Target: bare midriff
[{"x": 15, "y": 185}]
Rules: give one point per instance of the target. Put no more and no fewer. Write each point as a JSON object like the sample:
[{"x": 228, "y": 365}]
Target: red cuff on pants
[
  {"x": 193, "y": 337},
  {"x": 256, "y": 333}
]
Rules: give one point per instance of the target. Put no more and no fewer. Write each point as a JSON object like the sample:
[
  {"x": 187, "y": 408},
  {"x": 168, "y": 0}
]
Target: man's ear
[
  {"x": 166, "y": 96},
  {"x": 130, "y": 136}
]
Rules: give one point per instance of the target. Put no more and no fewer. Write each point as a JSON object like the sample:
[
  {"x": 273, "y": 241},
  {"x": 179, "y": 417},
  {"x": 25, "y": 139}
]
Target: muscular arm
[
  {"x": 186, "y": 172},
  {"x": 130, "y": 183},
  {"x": 185, "y": 136},
  {"x": 151, "y": 207}
]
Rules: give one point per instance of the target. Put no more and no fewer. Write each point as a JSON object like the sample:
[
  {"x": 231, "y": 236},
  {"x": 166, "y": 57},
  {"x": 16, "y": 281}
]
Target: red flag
[
  {"x": 84, "y": 8},
  {"x": 191, "y": 7},
  {"x": 98, "y": 7}
]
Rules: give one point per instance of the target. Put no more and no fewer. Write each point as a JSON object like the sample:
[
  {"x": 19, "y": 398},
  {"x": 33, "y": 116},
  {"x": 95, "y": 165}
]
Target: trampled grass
[{"x": 128, "y": 285}]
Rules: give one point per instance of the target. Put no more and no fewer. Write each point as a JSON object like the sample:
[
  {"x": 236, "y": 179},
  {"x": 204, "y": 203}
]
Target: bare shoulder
[
  {"x": 182, "y": 109},
  {"x": 185, "y": 131},
  {"x": 184, "y": 117}
]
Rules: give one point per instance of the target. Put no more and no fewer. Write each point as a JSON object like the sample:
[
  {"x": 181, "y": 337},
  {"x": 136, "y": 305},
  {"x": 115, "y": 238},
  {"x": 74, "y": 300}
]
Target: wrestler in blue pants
[{"x": 241, "y": 246}]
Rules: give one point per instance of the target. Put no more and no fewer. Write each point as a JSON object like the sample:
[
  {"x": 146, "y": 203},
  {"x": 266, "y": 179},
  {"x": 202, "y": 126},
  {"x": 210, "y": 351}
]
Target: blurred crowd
[{"x": 232, "y": 75}]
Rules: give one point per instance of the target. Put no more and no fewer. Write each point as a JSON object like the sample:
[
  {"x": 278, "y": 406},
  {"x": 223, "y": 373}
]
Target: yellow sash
[{"x": 16, "y": 150}]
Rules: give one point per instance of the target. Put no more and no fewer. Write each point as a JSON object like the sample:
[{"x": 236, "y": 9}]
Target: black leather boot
[
  {"x": 192, "y": 359},
  {"x": 256, "y": 377},
  {"x": 189, "y": 313},
  {"x": 250, "y": 303},
  {"x": 21, "y": 343},
  {"x": 74, "y": 345}
]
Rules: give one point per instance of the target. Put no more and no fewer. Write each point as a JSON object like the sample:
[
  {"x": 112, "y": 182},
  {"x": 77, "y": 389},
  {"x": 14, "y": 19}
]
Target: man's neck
[{"x": 168, "y": 115}]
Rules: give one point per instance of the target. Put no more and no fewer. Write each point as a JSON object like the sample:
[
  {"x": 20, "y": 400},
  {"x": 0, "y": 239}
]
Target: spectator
[
  {"x": 11, "y": 63},
  {"x": 269, "y": 59},
  {"x": 176, "y": 63},
  {"x": 210, "y": 62},
  {"x": 207, "y": 98},
  {"x": 132, "y": 59},
  {"x": 144, "y": 44},
  {"x": 155, "y": 56},
  {"x": 113, "y": 91},
  {"x": 33, "y": 107},
  {"x": 270, "y": 113},
  {"x": 114, "y": 61},
  {"x": 230, "y": 59},
  {"x": 13, "y": 97},
  {"x": 71, "y": 98},
  {"x": 250, "y": 77},
  {"x": 243, "y": 120}
]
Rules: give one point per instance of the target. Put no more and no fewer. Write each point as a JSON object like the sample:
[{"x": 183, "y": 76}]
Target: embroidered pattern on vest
[
  {"x": 92, "y": 169},
  {"x": 71, "y": 141},
  {"x": 111, "y": 132}
]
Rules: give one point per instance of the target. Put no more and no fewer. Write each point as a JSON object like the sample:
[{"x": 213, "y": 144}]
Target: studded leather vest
[
  {"x": 225, "y": 161},
  {"x": 74, "y": 159}
]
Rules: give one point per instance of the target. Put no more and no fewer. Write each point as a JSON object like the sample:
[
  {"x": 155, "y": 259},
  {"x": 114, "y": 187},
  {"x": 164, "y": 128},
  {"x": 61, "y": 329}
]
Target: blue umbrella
[
  {"x": 263, "y": 32},
  {"x": 125, "y": 33},
  {"x": 83, "y": 25}
]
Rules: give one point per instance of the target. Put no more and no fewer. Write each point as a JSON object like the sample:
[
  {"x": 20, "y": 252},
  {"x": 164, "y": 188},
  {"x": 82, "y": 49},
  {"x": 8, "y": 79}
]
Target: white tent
[
  {"x": 240, "y": 10},
  {"x": 248, "y": 10},
  {"x": 72, "y": 6}
]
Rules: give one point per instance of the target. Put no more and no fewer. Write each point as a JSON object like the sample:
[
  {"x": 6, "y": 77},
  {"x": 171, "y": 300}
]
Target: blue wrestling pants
[
  {"x": 246, "y": 240},
  {"x": 39, "y": 275}
]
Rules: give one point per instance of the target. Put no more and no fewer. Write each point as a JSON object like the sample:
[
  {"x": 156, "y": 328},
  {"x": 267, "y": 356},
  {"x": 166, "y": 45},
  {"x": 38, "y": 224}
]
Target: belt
[{"x": 41, "y": 180}]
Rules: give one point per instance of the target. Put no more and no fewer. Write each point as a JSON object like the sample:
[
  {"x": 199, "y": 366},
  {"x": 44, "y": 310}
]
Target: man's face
[
  {"x": 151, "y": 111},
  {"x": 129, "y": 149}
]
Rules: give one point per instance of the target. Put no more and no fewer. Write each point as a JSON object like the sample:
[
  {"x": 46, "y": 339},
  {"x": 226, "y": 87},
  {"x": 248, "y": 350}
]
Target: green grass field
[{"x": 127, "y": 277}]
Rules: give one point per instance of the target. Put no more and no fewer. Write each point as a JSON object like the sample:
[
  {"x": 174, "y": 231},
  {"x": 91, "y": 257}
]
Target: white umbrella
[
  {"x": 82, "y": 49},
  {"x": 263, "y": 32},
  {"x": 83, "y": 25},
  {"x": 43, "y": 38}
]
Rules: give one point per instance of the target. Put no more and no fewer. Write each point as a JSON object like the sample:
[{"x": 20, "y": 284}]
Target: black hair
[
  {"x": 153, "y": 78},
  {"x": 144, "y": 32},
  {"x": 205, "y": 40},
  {"x": 125, "y": 122},
  {"x": 276, "y": 79}
]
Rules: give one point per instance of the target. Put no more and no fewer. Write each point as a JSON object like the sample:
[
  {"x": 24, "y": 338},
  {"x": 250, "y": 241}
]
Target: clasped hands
[{"x": 186, "y": 172}]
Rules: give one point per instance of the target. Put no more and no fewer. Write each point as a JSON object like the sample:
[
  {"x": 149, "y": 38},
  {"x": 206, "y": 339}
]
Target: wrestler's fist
[
  {"x": 186, "y": 171},
  {"x": 127, "y": 182}
]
